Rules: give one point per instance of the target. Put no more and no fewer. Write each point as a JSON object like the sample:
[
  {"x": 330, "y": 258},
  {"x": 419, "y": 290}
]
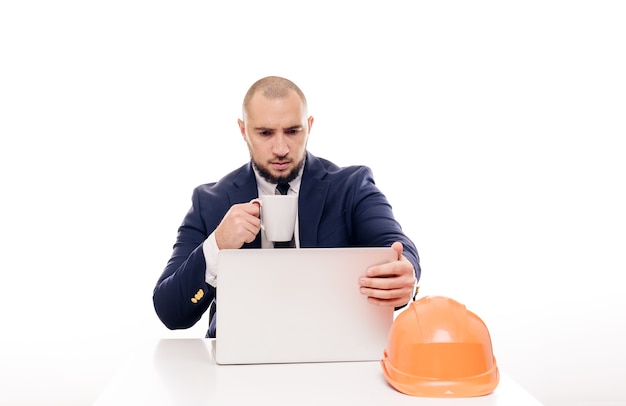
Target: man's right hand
[{"x": 240, "y": 225}]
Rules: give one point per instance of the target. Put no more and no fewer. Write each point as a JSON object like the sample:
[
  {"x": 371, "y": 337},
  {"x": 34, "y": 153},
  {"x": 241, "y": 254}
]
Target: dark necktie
[{"x": 283, "y": 188}]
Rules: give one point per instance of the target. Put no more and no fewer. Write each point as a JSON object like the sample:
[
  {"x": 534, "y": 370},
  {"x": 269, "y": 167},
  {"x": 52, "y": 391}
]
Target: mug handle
[{"x": 258, "y": 201}]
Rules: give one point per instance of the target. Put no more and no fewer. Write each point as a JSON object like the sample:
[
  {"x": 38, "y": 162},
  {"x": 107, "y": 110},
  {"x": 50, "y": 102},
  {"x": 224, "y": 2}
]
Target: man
[{"x": 337, "y": 207}]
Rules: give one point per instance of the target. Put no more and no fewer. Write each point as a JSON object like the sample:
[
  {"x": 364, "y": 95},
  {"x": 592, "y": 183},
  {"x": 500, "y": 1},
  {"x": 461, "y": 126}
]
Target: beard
[{"x": 265, "y": 174}]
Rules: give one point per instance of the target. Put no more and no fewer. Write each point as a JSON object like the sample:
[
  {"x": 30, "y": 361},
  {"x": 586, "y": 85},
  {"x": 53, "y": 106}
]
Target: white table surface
[{"x": 183, "y": 372}]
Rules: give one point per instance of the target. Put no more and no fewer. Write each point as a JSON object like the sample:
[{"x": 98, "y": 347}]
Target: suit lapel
[{"x": 313, "y": 191}]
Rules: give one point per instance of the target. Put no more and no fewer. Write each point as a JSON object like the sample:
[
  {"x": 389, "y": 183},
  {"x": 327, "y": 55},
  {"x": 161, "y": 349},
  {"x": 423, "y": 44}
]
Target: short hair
[{"x": 272, "y": 87}]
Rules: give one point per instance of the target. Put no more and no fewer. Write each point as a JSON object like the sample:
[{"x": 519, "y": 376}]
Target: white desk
[{"x": 183, "y": 372}]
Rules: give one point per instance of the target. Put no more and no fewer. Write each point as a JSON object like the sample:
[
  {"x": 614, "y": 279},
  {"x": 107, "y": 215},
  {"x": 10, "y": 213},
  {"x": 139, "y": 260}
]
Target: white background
[{"x": 496, "y": 129}]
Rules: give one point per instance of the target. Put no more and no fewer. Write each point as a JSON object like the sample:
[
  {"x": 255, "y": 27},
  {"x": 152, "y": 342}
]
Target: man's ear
[{"x": 242, "y": 127}]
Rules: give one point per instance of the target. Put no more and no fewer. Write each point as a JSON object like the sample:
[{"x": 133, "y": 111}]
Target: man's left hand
[{"x": 390, "y": 284}]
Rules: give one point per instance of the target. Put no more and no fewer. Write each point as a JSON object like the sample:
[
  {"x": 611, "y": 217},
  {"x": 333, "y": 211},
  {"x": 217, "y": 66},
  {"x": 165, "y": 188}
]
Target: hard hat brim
[{"x": 479, "y": 385}]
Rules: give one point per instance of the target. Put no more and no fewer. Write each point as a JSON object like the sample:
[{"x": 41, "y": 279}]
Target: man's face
[{"x": 276, "y": 131}]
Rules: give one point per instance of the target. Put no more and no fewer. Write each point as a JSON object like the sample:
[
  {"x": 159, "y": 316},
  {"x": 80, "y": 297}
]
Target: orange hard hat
[{"x": 438, "y": 348}]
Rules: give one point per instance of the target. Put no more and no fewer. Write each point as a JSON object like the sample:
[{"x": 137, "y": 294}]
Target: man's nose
[{"x": 280, "y": 146}]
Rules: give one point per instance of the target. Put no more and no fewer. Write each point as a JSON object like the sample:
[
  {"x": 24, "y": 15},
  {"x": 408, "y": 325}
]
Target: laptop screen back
[{"x": 298, "y": 305}]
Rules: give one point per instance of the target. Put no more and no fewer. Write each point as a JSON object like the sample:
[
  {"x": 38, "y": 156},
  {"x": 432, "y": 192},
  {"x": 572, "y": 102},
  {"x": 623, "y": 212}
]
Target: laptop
[{"x": 298, "y": 305}]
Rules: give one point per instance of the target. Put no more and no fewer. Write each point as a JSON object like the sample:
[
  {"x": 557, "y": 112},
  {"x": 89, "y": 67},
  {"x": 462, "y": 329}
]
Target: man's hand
[
  {"x": 390, "y": 284},
  {"x": 240, "y": 225}
]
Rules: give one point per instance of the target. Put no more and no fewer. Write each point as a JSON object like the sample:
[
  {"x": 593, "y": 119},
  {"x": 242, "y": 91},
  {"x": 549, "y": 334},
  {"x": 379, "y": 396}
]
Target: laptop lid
[{"x": 298, "y": 305}]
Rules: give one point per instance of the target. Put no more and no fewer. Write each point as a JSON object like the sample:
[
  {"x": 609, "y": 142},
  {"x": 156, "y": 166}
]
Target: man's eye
[
  {"x": 293, "y": 131},
  {"x": 265, "y": 133}
]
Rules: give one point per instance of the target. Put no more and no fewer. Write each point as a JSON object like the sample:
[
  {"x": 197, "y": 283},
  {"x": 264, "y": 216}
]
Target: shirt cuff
[{"x": 210, "y": 250}]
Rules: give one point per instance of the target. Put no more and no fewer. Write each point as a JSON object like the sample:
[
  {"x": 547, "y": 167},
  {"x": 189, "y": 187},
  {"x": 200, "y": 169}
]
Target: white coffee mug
[{"x": 278, "y": 216}]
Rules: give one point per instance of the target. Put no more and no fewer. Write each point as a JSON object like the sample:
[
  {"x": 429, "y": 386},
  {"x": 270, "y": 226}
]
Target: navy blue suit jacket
[{"x": 337, "y": 207}]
